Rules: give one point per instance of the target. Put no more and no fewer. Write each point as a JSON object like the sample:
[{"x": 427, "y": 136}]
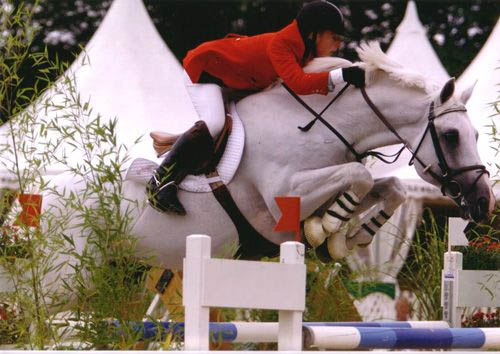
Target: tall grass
[
  {"x": 81, "y": 258},
  {"x": 422, "y": 270}
]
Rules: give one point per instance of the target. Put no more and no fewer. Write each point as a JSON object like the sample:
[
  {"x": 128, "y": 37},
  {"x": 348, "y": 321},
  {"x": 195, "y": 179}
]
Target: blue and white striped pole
[
  {"x": 339, "y": 336},
  {"x": 263, "y": 332},
  {"x": 353, "y": 338}
]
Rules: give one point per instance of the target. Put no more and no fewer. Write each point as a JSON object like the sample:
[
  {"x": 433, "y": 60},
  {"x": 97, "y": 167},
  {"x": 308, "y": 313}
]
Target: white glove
[{"x": 335, "y": 77}]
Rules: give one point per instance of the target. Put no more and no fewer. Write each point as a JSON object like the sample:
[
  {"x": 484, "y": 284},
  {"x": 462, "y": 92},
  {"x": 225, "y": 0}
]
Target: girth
[{"x": 252, "y": 245}]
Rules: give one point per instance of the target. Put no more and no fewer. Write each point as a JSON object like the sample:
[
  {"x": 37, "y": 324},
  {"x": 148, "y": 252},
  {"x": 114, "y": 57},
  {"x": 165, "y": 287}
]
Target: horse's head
[
  {"x": 443, "y": 141},
  {"x": 445, "y": 154}
]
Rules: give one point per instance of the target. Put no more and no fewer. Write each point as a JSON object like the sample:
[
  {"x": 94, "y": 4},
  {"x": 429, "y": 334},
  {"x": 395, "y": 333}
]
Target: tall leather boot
[{"x": 191, "y": 154}]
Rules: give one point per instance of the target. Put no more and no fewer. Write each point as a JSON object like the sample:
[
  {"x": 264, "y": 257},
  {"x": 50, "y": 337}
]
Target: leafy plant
[
  {"x": 422, "y": 271},
  {"x": 482, "y": 319},
  {"x": 483, "y": 253},
  {"x": 81, "y": 258}
]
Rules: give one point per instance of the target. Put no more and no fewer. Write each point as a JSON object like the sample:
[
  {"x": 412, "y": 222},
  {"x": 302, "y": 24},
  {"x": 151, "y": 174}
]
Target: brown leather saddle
[{"x": 163, "y": 142}]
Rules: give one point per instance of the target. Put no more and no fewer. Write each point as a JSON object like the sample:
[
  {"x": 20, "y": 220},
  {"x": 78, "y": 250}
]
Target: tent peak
[{"x": 411, "y": 21}]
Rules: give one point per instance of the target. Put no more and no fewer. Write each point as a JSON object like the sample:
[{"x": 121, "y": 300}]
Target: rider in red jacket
[{"x": 248, "y": 63}]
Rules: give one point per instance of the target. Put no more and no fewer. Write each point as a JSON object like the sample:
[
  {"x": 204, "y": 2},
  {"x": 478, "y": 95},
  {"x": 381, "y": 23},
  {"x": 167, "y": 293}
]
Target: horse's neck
[
  {"x": 402, "y": 107},
  {"x": 280, "y": 113}
]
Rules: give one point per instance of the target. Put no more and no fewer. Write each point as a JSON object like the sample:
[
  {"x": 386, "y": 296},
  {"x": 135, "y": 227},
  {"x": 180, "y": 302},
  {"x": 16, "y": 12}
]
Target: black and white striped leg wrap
[
  {"x": 340, "y": 211},
  {"x": 376, "y": 222}
]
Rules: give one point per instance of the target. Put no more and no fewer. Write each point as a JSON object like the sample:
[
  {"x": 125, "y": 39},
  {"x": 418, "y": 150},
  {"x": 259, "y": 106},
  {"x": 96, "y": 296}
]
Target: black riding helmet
[{"x": 317, "y": 16}]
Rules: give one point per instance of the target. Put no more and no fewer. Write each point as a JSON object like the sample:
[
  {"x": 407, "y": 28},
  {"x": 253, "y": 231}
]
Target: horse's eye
[{"x": 451, "y": 137}]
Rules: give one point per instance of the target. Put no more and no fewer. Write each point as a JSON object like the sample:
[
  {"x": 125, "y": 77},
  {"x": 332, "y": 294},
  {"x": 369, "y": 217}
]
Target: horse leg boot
[
  {"x": 385, "y": 197},
  {"x": 191, "y": 154}
]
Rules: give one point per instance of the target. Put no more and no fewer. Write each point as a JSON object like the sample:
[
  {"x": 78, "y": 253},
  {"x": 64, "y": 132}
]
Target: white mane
[{"x": 373, "y": 59}]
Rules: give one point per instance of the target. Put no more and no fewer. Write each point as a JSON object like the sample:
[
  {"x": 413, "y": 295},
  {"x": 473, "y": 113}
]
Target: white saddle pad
[{"x": 141, "y": 170}]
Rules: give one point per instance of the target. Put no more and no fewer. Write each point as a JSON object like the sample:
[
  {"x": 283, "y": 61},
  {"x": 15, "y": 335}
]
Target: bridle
[{"x": 447, "y": 177}]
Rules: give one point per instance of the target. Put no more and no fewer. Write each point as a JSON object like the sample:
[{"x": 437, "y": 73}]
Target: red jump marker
[
  {"x": 290, "y": 215},
  {"x": 32, "y": 207}
]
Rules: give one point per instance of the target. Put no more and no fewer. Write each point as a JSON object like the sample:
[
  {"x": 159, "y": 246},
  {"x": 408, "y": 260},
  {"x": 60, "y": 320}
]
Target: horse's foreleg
[
  {"x": 349, "y": 182},
  {"x": 386, "y": 195}
]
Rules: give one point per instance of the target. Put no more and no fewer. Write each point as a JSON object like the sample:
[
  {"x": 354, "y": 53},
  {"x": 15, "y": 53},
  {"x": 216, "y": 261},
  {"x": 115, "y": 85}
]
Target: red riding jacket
[{"x": 253, "y": 63}]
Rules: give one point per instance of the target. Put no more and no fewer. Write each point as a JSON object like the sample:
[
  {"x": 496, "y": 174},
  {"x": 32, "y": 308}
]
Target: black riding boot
[{"x": 191, "y": 154}]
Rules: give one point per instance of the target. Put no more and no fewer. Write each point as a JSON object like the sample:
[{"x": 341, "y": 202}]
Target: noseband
[{"x": 447, "y": 177}]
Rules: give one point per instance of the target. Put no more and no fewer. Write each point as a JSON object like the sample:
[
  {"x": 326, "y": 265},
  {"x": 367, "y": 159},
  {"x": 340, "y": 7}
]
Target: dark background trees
[{"x": 457, "y": 28}]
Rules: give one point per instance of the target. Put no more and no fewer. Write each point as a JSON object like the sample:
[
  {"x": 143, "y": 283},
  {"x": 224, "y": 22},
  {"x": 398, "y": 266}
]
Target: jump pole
[
  {"x": 260, "y": 332},
  {"x": 346, "y": 335},
  {"x": 355, "y": 338}
]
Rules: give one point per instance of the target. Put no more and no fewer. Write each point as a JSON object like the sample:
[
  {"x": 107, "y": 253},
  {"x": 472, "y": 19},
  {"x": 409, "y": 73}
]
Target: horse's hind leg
[{"x": 384, "y": 198}]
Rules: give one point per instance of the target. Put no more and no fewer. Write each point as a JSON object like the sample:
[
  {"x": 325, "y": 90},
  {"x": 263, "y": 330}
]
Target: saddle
[
  {"x": 253, "y": 245},
  {"x": 163, "y": 142}
]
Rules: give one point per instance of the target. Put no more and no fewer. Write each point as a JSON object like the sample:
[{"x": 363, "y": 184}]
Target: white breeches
[{"x": 208, "y": 103}]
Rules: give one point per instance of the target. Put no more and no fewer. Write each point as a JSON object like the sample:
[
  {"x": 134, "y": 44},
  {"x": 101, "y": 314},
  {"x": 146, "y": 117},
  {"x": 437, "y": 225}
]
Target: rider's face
[{"x": 327, "y": 43}]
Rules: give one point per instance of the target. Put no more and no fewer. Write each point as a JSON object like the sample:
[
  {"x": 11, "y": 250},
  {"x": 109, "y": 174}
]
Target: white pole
[
  {"x": 290, "y": 322},
  {"x": 449, "y": 288},
  {"x": 196, "y": 331}
]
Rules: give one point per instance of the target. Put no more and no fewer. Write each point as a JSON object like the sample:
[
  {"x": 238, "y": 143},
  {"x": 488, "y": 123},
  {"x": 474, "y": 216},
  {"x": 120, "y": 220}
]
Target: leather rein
[{"x": 447, "y": 177}]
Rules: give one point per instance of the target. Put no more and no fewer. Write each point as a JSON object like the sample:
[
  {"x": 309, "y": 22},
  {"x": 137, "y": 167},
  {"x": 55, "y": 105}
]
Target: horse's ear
[
  {"x": 447, "y": 91},
  {"x": 464, "y": 97}
]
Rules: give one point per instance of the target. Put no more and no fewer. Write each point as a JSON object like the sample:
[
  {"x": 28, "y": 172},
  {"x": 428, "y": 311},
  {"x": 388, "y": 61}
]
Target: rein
[
  {"x": 446, "y": 179},
  {"x": 317, "y": 116}
]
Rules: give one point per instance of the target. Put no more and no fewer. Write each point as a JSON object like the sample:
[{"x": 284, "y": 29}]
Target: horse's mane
[{"x": 374, "y": 59}]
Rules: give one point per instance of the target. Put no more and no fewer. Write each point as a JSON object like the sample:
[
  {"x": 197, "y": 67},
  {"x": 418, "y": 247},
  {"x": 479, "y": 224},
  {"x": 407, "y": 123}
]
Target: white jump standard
[
  {"x": 243, "y": 284},
  {"x": 281, "y": 286}
]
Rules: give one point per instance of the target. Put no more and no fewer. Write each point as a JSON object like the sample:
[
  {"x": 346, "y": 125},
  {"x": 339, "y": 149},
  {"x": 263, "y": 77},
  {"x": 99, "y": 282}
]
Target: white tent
[
  {"x": 132, "y": 76},
  {"x": 485, "y": 69},
  {"x": 411, "y": 48},
  {"x": 387, "y": 253}
]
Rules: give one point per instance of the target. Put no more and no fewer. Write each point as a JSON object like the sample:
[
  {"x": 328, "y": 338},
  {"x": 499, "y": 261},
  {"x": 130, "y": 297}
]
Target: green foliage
[
  {"x": 483, "y": 253},
  {"x": 81, "y": 259},
  {"x": 16, "y": 36},
  {"x": 422, "y": 270}
]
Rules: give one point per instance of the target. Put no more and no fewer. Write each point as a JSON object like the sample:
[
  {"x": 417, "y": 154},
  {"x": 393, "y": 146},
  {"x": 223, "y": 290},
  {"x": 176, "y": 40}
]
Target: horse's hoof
[
  {"x": 314, "y": 232},
  {"x": 322, "y": 253},
  {"x": 337, "y": 245},
  {"x": 331, "y": 223},
  {"x": 361, "y": 238}
]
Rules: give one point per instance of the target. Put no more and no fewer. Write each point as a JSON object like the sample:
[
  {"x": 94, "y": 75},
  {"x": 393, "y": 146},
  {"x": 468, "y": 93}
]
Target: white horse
[{"x": 279, "y": 159}]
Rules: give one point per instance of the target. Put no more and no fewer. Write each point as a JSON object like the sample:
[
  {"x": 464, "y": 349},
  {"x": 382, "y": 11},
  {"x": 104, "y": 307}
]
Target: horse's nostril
[{"x": 482, "y": 207}]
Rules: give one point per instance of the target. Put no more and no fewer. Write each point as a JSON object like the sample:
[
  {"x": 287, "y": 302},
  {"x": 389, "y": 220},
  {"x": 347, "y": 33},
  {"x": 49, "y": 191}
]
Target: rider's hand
[{"x": 353, "y": 75}]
